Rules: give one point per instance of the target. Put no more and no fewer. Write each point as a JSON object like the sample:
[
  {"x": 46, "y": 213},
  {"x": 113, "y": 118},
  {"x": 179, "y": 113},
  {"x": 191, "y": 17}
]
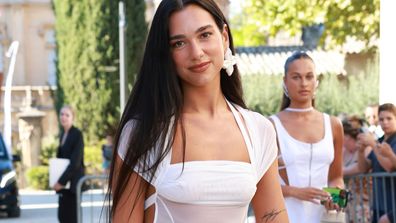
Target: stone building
[{"x": 31, "y": 23}]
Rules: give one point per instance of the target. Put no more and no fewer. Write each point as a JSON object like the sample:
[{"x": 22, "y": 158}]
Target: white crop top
[{"x": 211, "y": 191}]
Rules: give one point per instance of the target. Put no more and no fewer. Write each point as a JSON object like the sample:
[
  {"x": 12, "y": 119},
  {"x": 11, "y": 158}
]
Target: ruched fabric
[{"x": 210, "y": 191}]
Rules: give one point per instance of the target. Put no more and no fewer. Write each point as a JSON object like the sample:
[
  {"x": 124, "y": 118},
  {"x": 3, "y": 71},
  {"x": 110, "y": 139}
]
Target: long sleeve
[{"x": 74, "y": 152}]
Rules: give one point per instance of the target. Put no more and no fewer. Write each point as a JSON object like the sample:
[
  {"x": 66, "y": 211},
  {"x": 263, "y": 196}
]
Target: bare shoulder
[
  {"x": 338, "y": 131},
  {"x": 335, "y": 123}
]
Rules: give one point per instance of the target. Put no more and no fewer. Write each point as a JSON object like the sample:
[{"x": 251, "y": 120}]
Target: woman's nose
[
  {"x": 304, "y": 82},
  {"x": 196, "y": 50}
]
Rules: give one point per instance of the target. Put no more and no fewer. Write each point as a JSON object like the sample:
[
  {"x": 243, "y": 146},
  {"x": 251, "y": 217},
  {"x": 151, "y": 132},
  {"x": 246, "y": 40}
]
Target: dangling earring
[
  {"x": 229, "y": 62},
  {"x": 285, "y": 91}
]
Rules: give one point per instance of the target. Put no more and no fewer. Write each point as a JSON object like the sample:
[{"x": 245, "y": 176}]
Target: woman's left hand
[
  {"x": 57, "y": 187},
  {"x": 330, "y": 205}
]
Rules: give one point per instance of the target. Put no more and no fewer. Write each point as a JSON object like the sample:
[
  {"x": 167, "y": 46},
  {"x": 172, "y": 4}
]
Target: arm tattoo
[{"x": 271, "y": 215}]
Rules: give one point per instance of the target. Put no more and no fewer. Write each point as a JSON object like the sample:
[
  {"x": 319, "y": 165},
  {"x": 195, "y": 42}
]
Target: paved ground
[{"x": 41, "y": 206}]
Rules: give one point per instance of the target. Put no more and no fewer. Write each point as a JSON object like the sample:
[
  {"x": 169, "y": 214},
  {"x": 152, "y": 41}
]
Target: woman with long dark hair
[
  {"x": 310, "y": 144},
  {"x": 188, "y": 150}
]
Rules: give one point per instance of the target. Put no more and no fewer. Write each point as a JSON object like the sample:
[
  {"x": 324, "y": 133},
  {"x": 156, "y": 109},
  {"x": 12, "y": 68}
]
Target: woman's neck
[
  {"x": 295, "y": 105},
  {"x": 207, "y": 102},
  {"x": 67, "y": 128},
  {"x": 289, "y": 109}
]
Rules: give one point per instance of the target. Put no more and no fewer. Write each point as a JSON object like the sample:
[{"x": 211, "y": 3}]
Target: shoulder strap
[
  {"x": 150, "y": 201},
  {"x": 281, "y": 164},
  {"x": 328, "y": 125},
  {"x": 243, "y": 121}
]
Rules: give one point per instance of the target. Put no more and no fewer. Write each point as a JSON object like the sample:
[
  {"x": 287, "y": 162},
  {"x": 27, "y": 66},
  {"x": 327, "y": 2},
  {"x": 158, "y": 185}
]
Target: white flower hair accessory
[{"x": 229, "y": 62}]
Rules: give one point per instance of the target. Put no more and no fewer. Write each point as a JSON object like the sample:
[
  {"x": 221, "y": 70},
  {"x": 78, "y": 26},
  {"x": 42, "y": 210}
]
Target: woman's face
[
  {"x": 387, "y": 121},
  {"x": 66, "y": 118},
  {"x": 300, "y": 80},
  {"x": 197, "y": 46},
  {"x": 371, "y": 115}
]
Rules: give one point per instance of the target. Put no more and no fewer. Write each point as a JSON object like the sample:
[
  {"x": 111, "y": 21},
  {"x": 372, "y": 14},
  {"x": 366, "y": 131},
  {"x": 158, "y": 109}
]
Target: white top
[
  {"x": 307, "y": 165},
  {"x": 212, "y": 191},
  {"x": 377, "y": 130}
]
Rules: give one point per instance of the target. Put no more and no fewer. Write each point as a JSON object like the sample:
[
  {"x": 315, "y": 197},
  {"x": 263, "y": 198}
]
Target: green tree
[
  {"x": 135, "y": 36},
  {"x": 336, "y": 94},
  {"x": 88, "y": 59},
  {"x": 341, "y": 18}
]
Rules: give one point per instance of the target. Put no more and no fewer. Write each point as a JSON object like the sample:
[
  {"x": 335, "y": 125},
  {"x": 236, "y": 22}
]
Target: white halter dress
[
  {"x": 307, "y": 165},
  {"x": 212, "y": 191}
]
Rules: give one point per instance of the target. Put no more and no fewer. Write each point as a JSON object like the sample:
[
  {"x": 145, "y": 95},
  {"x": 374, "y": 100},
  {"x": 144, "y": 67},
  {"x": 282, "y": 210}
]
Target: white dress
[
  {"x": 307, "y": 165},
  {"x": 213, "y": 191}
]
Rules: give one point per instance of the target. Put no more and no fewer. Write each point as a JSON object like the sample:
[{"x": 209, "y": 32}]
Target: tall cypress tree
[
  {"x": 135, "y": 36},
  {"x": 87, "y": 41}
]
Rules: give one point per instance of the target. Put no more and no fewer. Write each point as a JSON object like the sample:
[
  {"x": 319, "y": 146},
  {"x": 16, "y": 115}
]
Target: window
[{"x": 51, "y": 46}]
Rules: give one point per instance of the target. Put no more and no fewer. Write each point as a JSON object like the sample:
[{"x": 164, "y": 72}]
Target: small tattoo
[{"x": 271, "y": 215}]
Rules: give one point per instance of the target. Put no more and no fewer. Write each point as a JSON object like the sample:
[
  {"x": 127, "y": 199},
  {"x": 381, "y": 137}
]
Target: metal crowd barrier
[
  {"x": 91, "y": 194},
  {"x": 363, "y": 200},
  {"x": 369, "y": 194}
]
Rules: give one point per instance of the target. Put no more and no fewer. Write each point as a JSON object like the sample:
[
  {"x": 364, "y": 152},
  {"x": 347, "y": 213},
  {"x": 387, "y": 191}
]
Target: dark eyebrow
[
  {"x": 203, "y": 28},
  {"x": 198, "y": 31},
  {"x": 297, "y": 73}
]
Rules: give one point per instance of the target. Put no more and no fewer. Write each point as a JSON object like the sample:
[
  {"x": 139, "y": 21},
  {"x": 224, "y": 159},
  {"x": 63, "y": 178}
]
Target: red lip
[
  {"x": 304, "y": 92},
  {"x": 200, "y": 67}
]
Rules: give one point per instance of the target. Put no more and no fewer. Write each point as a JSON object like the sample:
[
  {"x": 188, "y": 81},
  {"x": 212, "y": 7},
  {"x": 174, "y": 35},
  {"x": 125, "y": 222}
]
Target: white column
[
  {"x": 387, "y": 52},
  {"x": 16, "y": 30},
  {"x": 1, "y": 57}
]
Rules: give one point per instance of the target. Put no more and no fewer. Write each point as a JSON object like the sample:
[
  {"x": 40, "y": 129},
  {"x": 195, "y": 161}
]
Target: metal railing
[
  {"x": 91, "y": 193},
  {"x": 372, "y": 196},
  {"x": 368, "y": 195}
]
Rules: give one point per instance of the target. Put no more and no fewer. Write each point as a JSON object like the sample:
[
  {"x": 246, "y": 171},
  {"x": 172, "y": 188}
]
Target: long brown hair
[{"x": 157, "y": 97}]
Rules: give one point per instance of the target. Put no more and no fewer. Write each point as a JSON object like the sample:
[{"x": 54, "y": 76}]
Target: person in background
[
  {"x": 107, "y": 154},
  {"x": 310, "y": 144},
  {"x": 371, "y": 115},
  {"x": 188, "y": 150},
  {"x": 71, "y": 146},
  {"x": 387, "y": 151},
  {"x": 358, "y": 209},
  {"x": 356, "y": 122},
  {"x": 381, "y": 160},
  {"x": 350, "y": 148}
]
